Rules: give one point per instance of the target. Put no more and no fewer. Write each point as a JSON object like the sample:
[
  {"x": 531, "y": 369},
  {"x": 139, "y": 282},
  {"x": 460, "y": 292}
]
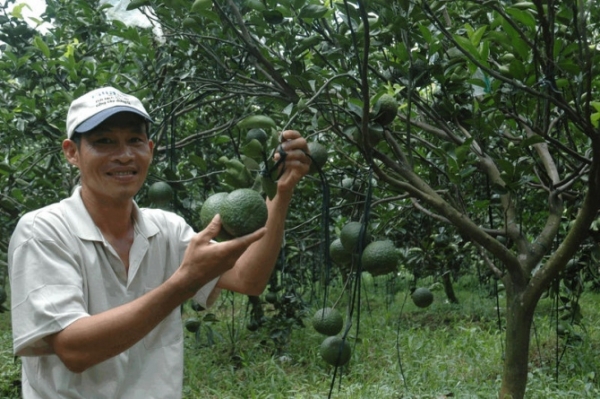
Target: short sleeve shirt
[{"x": 62, "y": 269}]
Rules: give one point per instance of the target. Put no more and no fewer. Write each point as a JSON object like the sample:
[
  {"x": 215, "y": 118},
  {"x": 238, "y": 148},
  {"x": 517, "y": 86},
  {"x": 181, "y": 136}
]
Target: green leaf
[
  {"x": 209, "y": 317},
  {"x": 250, "y": 163},
  {"x": 5, "y": 168},
  {"x": 522, "y": 16},
  {"x": 222, "y": 139},
  {"x": 255, "y": 5},
  {"x": 253, "y": 149},
  {"x": 463, "y": 150},
  {"x": 198, "y": 161},
  {"x": 466, "y": 44},
  {"x": 269, "y": 186},
  {"x": 209, "y": 14},
  {"x": 17, "y": 10},
  {"x": 201, "y": 5},
  {"x": 514, "y": 42},
  {"x": 595, "y": 119},
  {"x": 313, "y": 11},
  {"x": 39, "y": 43},
  {"x": 426, "y": 32},
  {"x": 135, "y": 4},
  {"x": 477, "y": 35}
]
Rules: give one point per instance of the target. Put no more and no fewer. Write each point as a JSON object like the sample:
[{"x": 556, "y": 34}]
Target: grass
[
  {"x": 10, "y": 370},
  {"x": 400, "y": 351}
]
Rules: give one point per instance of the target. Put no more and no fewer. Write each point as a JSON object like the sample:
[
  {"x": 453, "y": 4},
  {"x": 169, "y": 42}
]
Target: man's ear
[{"x": 71, "y": 152}]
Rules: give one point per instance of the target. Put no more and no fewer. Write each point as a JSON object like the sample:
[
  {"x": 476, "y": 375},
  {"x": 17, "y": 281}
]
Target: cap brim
[{"x": 101, "y": 116}]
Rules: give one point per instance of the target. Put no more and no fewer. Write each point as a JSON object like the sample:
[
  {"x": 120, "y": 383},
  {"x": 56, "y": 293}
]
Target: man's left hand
[{"x": 296, "y": 163}]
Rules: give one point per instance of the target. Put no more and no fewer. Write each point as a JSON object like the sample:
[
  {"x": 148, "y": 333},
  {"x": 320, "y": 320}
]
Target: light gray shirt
[{"x": 62, "y": 269}]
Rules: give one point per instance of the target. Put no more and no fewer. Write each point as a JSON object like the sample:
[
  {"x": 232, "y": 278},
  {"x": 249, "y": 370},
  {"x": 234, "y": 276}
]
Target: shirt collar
[{"x": 83, "y": 226}]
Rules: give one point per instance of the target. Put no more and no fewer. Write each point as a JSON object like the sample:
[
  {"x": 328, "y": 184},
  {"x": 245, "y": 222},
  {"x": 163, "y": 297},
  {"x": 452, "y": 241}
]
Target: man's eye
[{"x": 103, "y": 141}]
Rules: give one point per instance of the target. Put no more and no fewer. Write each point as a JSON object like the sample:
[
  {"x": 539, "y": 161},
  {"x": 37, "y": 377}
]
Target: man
[{"x": 97, "y": 282}]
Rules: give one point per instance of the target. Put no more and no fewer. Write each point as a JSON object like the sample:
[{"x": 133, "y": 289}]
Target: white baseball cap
[{"x": 94, "y": 107}]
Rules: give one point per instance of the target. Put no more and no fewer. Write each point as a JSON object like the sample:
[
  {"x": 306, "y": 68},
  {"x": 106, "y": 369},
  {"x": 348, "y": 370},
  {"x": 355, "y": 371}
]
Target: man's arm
[
  {"x": 91, "y": 340},
  {"x": 253, "y": 269}
]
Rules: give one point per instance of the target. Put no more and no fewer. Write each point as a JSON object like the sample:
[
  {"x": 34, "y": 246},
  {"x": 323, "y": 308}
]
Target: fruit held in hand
[
  {"x": 210, "y": 208},
  {"x": 243, "y": 211}
]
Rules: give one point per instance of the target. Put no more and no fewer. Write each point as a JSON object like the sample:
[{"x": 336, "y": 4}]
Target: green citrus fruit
[
  {"x": 328, "y": 321},
  {"x": 318, "y": 154},
  {"x": 243, "y": 211},
  {"x": 374, "y": 134},
  {"x": 380, "y": 257},
  {"x": 257, "y": 134},
  {"x": 209, "y": 209},
  {"x": 338, "y": 254},
  {"x": 271, "y": 297},
  {"x": 422, "y": 297},
  {"x": 350, "y": 234},
  {"x": 273, "y": 17},
  {"x": 349, "y": 187},
  {"x": 160, "y": 193},
  {"x": 192, "y": 324},
  {"x": 386, "y": 109},
  {"x": 257, "y": 121},
  {"x": 335, "y": 351}
]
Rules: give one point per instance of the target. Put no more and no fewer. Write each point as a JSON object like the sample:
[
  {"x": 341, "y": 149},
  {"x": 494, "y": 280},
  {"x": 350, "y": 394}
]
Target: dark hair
[{"x": 76, "y": 138}]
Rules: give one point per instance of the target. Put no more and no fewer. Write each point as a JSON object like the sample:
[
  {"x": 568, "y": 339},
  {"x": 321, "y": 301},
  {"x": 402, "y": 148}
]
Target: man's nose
[{"x": 124, "y": 152}]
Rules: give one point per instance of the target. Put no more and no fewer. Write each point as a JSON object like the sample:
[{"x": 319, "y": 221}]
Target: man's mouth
[{"x": 128, "y": 173}]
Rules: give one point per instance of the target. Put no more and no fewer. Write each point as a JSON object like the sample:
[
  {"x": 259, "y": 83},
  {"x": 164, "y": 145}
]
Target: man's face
[{"x": 113, "y": 159}]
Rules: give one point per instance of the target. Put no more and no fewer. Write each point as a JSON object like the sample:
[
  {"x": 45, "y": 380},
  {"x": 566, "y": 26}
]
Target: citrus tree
[
  {"x": 478, "y": 116},
  {"x": 495, "y": 131}
]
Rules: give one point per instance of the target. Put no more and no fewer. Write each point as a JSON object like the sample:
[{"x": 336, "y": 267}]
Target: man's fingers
[
  {"x": 212, "y": 229},
  {"x": 248, "y": 239},
  {"x": 290, "y": 135},
  {"x": 236, "y": 247}
]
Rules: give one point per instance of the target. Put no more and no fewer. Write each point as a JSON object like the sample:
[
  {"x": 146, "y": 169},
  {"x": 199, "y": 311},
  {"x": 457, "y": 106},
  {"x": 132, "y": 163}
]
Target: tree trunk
[
  {"x": 448, "y": 288},
  {"x": 519, "y": 318}
]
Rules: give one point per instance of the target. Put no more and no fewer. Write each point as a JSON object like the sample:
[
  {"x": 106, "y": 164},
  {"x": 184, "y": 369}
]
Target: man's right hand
[{"x": 205, "y": 260}]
